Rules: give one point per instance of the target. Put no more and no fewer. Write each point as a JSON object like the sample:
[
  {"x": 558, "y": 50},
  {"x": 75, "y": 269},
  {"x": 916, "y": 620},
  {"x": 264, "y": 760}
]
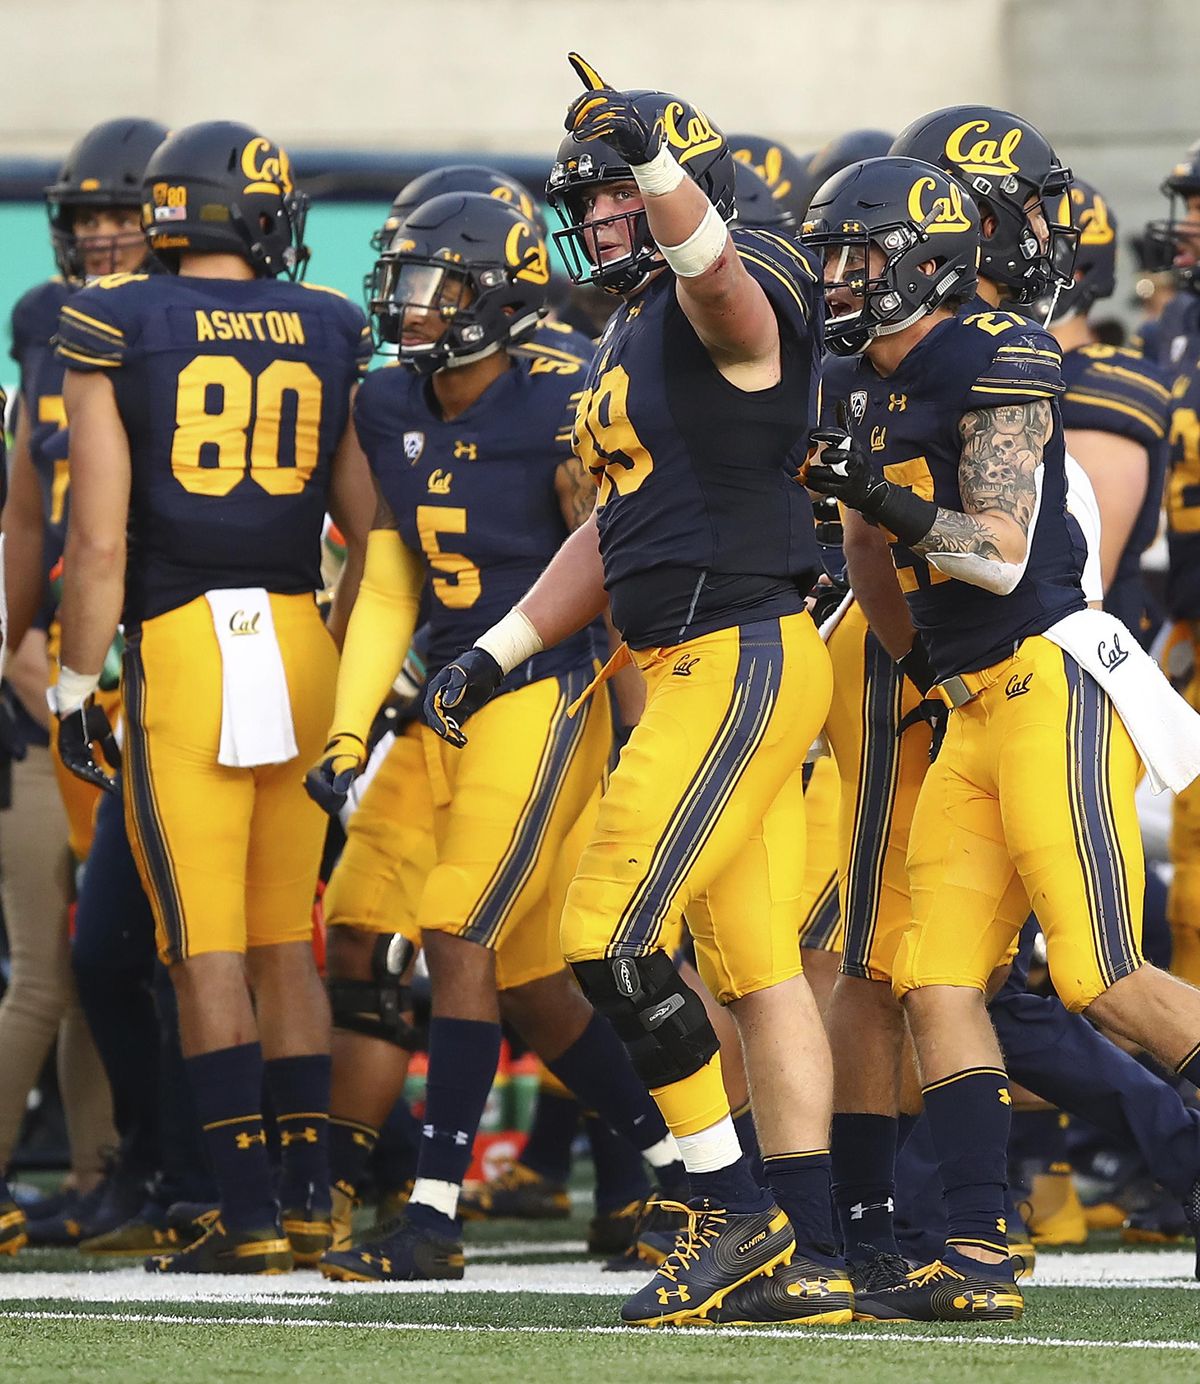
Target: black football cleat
[
  {"x": 941, "y": 1292},
  {"x": 802, "y": 1292},
  {"x": 715, "y": 1252},
  {"x": 260, "y": 1250},
  {"x": 141, "y": 1235},
  {"x": 405, "y": 1254},
  {"x": 516, "y": 1194},
  {"x": 879, "y": 1272}
]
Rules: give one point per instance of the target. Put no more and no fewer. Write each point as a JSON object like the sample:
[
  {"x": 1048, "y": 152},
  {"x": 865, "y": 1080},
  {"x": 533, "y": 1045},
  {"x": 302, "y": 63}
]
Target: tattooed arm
[
  {"x": 576, "y": 492},
  {"x": 1000, "y": 484}
]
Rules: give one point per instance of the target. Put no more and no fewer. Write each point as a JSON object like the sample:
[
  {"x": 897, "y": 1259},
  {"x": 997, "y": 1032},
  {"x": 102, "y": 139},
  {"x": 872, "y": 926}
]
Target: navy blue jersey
[
  {"x": 1175, "y": 339},
  {"x": 1115, "y": 390},
  {"x": 1183, "y": 489},
  {"x": 909, "y": 423},
  {"x": 475, "y": 496},
  {"x": 700, "y": 528},
  {"x": 552, "y": 339},
  {"x": 34, "y": 322},
  {"x": 235, "y": 396}
]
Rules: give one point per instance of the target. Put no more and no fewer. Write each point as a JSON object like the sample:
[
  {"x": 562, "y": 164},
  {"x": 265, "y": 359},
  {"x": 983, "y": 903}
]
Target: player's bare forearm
[
  {"x": 576, "y": 492},
  {"x": 24, "y": 538},
  {"x": 353, "y": 503},
  {"x": 873, "y": 580},
  {"x": 570, "y": 592},
  {"x": 94, "y": 554},
  {"x": 997, "y": 479}
]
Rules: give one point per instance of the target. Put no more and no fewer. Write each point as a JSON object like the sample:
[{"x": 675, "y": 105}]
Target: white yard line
[
  {"x": 810, "y": 1338},
  {"x": 130, "y": 1283}
]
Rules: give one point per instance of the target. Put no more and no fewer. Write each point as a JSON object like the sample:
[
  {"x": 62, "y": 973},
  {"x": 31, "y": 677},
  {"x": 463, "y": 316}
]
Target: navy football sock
[
  {"x": 547, "y": 1151},
  {"x": 394, "y": 1161},
  {"x": 743, "y": 1122},
  {"x": 463, "y": 1054},
  {"x": 800, "y": 1185},
  {"x": 350, "y": 1145},
  {"x": 734, "y": 1187},
  {"x": 864, "y": 1183},
  {"x": 597, "y": 1069},
  {"x": 620, "y": 1171},
  {"x": 299, "y": 1091},
  {"x": 1038, "y": 1137},
  {"x": 228, "y": 1085},
  {"x": 969, "y": 1117}
]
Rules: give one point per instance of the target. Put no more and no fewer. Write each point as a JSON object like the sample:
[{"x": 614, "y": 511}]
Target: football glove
[
  {"x": 843, "y": 471},
  {"x": 78, "y": 732},
  {"x": 328, "y": 782},
  {"x": 936, "y": 714},
  {"x": 459, "y": 690},
  {"x": 609, "y": 115}
]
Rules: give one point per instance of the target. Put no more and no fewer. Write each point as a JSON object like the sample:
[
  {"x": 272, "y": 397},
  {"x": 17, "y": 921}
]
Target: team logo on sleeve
[{"x": 414, "y": 445}]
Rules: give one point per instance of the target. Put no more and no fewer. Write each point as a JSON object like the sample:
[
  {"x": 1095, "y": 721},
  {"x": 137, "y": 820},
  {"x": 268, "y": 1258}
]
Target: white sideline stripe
[{"x": 752, "y": 1332}]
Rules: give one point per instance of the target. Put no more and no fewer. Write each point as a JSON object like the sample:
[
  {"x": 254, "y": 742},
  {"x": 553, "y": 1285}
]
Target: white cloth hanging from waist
[
  {"x": 256, "y": 710},
  {"x": 1162, "y": 726}
]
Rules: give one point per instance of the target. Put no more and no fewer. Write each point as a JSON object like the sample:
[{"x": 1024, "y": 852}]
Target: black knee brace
[
  {"x": 375, "y": 1007},
  {"x": 660, "y": 1020}
]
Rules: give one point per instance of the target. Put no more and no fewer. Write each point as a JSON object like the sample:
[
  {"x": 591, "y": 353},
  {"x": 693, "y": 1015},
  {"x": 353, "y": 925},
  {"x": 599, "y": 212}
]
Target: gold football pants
[
  {"x": 1029, "y": 804},
  {"x": 480, "y": 841},
  {"x": 1183, "y": 897},
  {"x": 820, "y": 909},
  {"x": 693, "y": 821},
  {"x": 228, "y": 856}
]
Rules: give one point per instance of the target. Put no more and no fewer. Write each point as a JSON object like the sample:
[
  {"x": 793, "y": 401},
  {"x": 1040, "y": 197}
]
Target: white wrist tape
[
  {"x": 701, "y": 250},
  {"x": 662, "y": 174},
  {"x": 71, "y": 690},
  {"x": 511, "y": 641}
]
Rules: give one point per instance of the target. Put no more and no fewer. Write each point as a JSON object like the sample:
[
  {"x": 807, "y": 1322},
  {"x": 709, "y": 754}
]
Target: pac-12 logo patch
[
  {"x": 414, "y": 445},
  {"x": 858, "y": 405}
]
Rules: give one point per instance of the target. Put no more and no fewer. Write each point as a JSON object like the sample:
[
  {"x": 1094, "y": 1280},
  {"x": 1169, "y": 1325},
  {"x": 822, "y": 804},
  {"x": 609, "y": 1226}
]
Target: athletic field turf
[{"x": 529, "y": 1310}]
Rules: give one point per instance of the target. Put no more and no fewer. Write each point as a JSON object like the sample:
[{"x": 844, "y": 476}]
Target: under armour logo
[
  {"x": 683, "y": 666},
  {"x": 307, "y": 1135},
  {"x": 470, "y": 450},
  {"x": 897, "y": 403},
  {"x": 247, "y": 1141},
  {"x": 635, "y": 311},
  {"x": 860, "y": 1208},
  {"x": 1114, "y": 657},
  {"x": 1002, "y": 1225},
  {"x": 1017, "y": 687},
  {"x": 747, "y": 1245},
  {"x": 809, "y": 1288},
  {"x": 1003, "y": 1096},
  {"x": 681, "y": 1293}
]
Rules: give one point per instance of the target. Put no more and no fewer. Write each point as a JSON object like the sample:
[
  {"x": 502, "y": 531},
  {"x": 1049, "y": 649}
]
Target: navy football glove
[
  {"x": 328, "y": 782},
  {"x": 458, "y": 692},
  {"x": 609, "y": 115},
  {"x": 78, "y": 732}
]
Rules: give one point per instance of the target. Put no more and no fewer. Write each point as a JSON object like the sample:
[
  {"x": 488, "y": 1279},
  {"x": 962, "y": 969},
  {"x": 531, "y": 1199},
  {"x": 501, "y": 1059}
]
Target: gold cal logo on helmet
[
  {"x": 529, "y": 260},
  {"x": 944, "y": 214},
  {"x": 267, "y": 171},
  {"x": 523, "y": 202},
  {"x": 985, "y": 155},
  {"x": 770, "y": 170},
  {"x": 696, "y": 137},
  {"x": 1094, "y": 225}
]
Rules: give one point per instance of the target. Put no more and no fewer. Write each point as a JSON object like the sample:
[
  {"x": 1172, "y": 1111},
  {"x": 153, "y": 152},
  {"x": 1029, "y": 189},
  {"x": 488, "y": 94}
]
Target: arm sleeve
[{"x": 379, "y": 633}]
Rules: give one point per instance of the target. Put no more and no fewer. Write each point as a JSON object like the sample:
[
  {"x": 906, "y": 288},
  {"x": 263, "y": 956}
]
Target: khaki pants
[{"x": 41, "y": 1002}]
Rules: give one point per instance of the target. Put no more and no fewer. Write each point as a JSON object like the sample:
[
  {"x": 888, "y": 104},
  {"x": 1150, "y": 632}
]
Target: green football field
[{"x": 532, "y": 1308}]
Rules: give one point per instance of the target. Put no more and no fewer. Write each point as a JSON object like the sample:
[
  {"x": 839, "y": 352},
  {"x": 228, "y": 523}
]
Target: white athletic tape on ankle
[
  {"x": 712, "y": 1149},
  {"x": 441, "y": 1196}
]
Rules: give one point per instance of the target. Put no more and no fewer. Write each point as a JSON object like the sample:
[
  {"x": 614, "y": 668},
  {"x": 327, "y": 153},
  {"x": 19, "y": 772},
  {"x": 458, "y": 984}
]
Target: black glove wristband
[
  {"x": 907, "y": 516},
  {"x": 916, "y": 667}
]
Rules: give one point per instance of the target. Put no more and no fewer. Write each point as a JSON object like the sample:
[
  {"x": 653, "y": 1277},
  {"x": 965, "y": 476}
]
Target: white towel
[
  {"x": 1163, "y": 727},
  {"x": 256, "y": 711}
]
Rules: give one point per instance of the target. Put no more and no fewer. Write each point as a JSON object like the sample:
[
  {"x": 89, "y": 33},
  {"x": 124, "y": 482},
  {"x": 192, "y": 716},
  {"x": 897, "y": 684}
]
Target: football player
[
  {"x": 1177, "y": 341},
  {"x": 1007, "y": 815},
  {"x": 469, "y": 442},
  {"x": 704, "y": 382},
  {"x": 94, "y": 208},
  {"x": 209, "y": 415}
]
